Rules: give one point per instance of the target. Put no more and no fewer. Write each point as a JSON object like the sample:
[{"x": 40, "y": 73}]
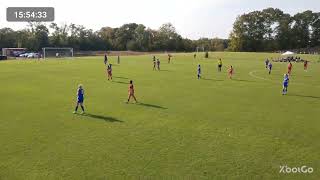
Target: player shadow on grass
[
  {"x": 304, "y": 96},
  {"x": 209, "y": 79},
  {"x": 150, "y": 105},
  {"x": 105, "y": 118},
  {"x": 119, "y": 77},
  {"x": 242, "y": 80},
  {"x": 120, "y": 82}
]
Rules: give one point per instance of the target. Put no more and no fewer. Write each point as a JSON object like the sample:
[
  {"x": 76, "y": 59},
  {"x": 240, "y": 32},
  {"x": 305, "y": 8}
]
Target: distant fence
[{"x": 115, "y": 53}]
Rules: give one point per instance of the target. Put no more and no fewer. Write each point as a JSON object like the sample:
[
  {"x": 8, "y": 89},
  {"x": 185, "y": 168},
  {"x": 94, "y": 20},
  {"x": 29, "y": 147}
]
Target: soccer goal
[
  {"x": 53, "y": 52},
  {"x": 200, "y": 49}
]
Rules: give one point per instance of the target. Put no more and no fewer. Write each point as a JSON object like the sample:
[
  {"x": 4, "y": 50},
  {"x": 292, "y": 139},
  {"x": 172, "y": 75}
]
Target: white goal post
[
  {"x": 54, "y": 52},
  {"x": 200, "y": 48}
]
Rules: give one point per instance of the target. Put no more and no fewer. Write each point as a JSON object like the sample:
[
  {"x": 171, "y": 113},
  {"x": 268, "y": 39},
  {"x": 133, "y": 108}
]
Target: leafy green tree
[
  {"x": 266, "y": 30},
  {"x": 22, "y": 38},
  {"x": 301, "y": 29},
  {"x": 41, "y": 37},
  {"x": 315, "y": 28},
  {"x": 168, "y": 38},
  {"x": 59, "y": 37},
  {"x": 107, "y": 34},
  {"x": 125, "y": 34},
  {"x": 7, "y": 38},
  {"x": 271, "y": 29}
]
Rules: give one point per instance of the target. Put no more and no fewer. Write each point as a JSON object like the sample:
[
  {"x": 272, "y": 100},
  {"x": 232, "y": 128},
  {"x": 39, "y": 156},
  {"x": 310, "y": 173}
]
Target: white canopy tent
[{"x": 288, "y": 53}]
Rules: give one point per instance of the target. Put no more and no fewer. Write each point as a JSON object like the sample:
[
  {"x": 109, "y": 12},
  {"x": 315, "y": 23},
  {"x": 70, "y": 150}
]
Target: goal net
[
  {"x": 52, "y": 52},
  {"x": 200, "y": 49}
]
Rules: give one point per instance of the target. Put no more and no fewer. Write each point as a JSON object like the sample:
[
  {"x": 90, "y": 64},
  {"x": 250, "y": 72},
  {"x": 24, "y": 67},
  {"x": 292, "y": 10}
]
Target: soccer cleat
[
  {"x": 74, "y": 112},
  {"x": 82, "y": 112}
]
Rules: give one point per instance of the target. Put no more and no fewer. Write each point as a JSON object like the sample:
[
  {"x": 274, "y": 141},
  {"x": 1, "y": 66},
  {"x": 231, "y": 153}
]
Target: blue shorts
[
  {"x": 285, "y": 84},
  {"x": 80, "y": 100}
]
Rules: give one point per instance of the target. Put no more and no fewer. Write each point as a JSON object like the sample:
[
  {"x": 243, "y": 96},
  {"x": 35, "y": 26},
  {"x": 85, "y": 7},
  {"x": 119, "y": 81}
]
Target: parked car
[
  {"x": 33, "y": 55},
  {"x": 18, "y": 53},
  {"x": 24, "y": 55}
]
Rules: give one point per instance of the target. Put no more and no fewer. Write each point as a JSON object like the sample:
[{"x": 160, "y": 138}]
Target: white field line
[
  {"x": 257, "y": 77},
  {"x": 251, "y": 73}
]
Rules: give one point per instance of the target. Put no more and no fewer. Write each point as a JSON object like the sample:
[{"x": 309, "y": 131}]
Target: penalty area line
[{"x": 251, "y": 73}]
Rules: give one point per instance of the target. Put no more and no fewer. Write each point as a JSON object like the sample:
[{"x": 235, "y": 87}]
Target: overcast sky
[{"x": 192, "y": 18}]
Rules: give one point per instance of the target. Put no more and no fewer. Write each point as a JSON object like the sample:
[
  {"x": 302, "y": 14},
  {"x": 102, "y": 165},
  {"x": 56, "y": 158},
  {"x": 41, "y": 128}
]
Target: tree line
[
  {"x": 267, "y": 30},
  {"x": 272, "y": 29},
  {"x": 135, "y": 37}
]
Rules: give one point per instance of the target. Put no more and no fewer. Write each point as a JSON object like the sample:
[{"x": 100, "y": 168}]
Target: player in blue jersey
[
  {"x": 267, "y": 63},
  {"x": 199, "y": 71},
  {"x": 270, "y": 67},
  {"x": 80, "y": 99},
  {"x": 285, "y": 84}
]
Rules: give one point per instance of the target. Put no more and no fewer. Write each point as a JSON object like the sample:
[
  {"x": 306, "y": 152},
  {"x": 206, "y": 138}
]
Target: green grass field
[{"x": 183, "y": 128}]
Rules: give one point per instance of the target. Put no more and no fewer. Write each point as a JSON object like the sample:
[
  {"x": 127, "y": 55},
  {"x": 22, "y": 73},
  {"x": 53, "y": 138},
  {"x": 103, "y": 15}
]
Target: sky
[{"x": 192, "y": 18}]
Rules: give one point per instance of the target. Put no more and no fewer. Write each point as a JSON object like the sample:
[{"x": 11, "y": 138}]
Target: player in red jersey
[
  {"x": 305, "y": 65},
  {"x": 289, "y": 68},
  {"x": 131, "y": 92},
  {"x": 169, "y": 58},
  {"x": 230, "y": 71},
  {"x": 109, "y": 71}
]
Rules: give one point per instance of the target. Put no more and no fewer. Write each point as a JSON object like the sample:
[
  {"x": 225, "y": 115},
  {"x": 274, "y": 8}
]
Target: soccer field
[{"x": 183, "y": 128}]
